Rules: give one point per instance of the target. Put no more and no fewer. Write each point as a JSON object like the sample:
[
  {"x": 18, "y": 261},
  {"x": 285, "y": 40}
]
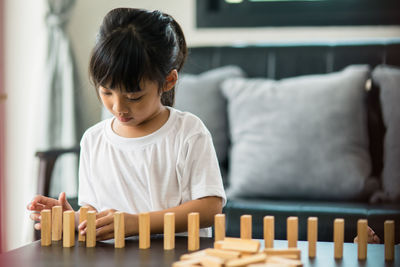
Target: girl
[{"x": 149, "y": 157}]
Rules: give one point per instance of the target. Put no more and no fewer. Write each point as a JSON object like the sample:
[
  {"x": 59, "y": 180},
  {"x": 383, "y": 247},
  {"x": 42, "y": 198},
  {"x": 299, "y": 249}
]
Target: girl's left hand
[{"x": 372, "y": 237}]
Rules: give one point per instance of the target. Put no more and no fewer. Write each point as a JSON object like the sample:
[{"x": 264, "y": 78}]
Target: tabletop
[{"x": 104, "y": 254}]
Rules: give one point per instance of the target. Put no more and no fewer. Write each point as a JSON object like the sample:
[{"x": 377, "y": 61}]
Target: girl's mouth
[{"x": 124, "y": 119}]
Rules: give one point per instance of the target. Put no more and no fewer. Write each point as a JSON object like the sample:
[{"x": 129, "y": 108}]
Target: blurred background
[{"x": 33, "y": 32}]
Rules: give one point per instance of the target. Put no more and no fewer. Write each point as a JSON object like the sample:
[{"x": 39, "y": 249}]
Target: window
[{"x": 262, "y": 13}]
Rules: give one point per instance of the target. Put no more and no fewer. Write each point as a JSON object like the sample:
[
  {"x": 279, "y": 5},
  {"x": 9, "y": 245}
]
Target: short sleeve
[{"x": 201, "y": 174}]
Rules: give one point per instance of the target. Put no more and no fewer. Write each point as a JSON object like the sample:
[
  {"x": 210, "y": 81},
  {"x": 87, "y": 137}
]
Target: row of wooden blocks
[{"x": 53, "y": 221}]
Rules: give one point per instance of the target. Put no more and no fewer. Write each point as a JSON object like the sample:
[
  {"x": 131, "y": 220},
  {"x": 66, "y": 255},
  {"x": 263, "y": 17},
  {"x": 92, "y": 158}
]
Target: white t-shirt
[{"x": 175, "y": 164}]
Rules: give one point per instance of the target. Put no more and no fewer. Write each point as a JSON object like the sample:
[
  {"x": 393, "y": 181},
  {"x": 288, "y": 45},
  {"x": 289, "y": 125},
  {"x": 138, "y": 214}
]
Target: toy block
[
  {"x": 193, "y": 231},
  {"x": 292, "y": 231},
  {"x": 82, "y": 217},
  {"x": 197, "y": 254},
  {"x": 144, "y": 230},
  {"x": 389, "y": 240},
  {"x": 338, "y": 238},
  {"x": 211, "y": 261},
  {"x": 256, "y": 258},
  {"x": 219, "y": 226},
  {"x": 218, "y": 244},
  {"x": 187, "y": 263},
  {"x": 241, "y": 245},
  {"x": 269, "y": 231},
  {"x": 56, "y": 223},
  {"x": 169, "y": 230},
  {"x": 292, "y": 253},
  {"x": 91, "y": 229},
  {"x": 119, "y": 230},
  {"x": 45, "y": 223},
  {"x": 362, "y": 227},
  {"x": 312, "y": 236},
  {"x": 284, "y": 261},
  {"x": 245, "y": 227},
  {"x": 223, "y": 254},
  {"x": 69, "y": 228}
]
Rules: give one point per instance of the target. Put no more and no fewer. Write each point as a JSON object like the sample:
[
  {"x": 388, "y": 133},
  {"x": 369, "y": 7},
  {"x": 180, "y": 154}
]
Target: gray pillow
[
  {"x": 201, "y": 95},
  {"x": 388, "y": 80},
  {"x": 303, "y": 137}
]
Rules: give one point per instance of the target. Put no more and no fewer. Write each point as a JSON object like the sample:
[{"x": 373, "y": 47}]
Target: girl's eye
[
  {"x": 134, "y": 99},
  {"x": 105, "y": 93}
]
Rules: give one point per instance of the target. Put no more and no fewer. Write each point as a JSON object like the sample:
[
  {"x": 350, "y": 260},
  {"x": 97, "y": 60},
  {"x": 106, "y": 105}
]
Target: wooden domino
[
  {"x": 82, "y": 217},
  {"x": 45, "y": 223},
  {"x": 91, "y": 229},
  {"x": 144, "y": 230},
  {"x": 338, "y": 237},
  {"x": 193, "y": 231},
  {"x": 242, "y": 245},
  {"x": 312, "y": 236},
  {"x": 256, "y": 258},
  {"x": 169, "y": 230},
  {"x": 362, "y": 234},
  {"x": 292, "y": 231},
  {"x": 269, "y": 231},
  {"x": 219, "y": 227},
  {"x": 68, "y": 228},
  {"x": 292, "y": 253},
  {"x": 56, "y": 223},
  {"x": 389, "y": 240},
  {"x": 119, "y": 230},
  {"x": 245, "y": 227}
]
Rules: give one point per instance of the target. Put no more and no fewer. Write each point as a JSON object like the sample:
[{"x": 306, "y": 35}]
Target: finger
[
  {"x": 106, "y": 220},
  {"x": 104, "y": 232},
  {"x": 35, "y": 216},
  {"x": 45, "y": 201},
  {"x": 102, "y": 214},
  {"x": 376, "y": 239},
  {"x": 355, "y": 239},
  {"x": 82, "y": 225},
  {"x": 62, "y": 200},
  {"x": 38, "y": 226},
  {"x": 105, "y": 237}
]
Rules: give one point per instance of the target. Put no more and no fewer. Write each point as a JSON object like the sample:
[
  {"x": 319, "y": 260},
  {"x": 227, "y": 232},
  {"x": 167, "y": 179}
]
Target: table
[{"x": 104, "y": 254}]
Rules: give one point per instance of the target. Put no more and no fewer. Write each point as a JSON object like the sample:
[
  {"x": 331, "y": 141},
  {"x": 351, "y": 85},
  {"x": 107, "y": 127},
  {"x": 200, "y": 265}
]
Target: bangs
[{"x": 119, "y": 62}]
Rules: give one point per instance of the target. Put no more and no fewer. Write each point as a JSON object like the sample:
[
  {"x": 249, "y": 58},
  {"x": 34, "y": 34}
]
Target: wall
[{"x": 25, "y": 51}]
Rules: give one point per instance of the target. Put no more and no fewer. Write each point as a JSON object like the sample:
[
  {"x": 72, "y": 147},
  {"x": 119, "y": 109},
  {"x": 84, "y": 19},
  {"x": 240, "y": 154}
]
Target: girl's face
[{"x": 133, "y": 111}]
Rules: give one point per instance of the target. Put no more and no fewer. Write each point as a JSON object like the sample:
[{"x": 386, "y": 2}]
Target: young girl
[{"x": 149, "y": 157}]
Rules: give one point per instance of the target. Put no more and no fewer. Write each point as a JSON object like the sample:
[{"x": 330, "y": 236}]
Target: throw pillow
[{"x": 302, "y": 137}]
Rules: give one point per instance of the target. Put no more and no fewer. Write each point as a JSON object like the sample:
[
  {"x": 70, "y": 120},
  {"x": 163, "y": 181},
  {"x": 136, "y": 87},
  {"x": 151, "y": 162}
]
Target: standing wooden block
[
  {"x": 312, "y": 236},
  {"x": 292, "y": 231},
  {"x": 69, "y": 228},
  {"x": 245, "y": 227},
  {"x": 269, "y": 231},
  {"x": 45, "y": 223},
  {"x": 56, "y": 223},
  {"x": 91, "y": 229},
  {"x": 219, "y": 226},
  {"x": 362, "y": 227},
  {"x": 119, "y": 230},
  {"x": 389, "y": 240},
  {"x": 193, "y": 231},
  {"x": 338, "y": 238},
  {"x": 169, "y": 230},
  {"x": 82, "y": 217},
  {"x": 144, "y": 230}
]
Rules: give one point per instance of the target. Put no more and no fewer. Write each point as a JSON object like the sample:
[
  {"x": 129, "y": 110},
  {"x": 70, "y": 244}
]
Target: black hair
[{"x": 136, "y": 44}]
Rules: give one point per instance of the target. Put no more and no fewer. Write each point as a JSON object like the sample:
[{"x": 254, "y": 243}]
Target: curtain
[{"x": 60, "y": 123}]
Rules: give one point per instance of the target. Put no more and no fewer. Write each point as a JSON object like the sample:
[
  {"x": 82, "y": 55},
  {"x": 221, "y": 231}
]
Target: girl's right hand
[{"x": 40, "y": 203}]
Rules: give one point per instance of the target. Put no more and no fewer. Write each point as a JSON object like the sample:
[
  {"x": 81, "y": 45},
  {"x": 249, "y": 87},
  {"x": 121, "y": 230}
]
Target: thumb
[{"x": 62, "y": 199}]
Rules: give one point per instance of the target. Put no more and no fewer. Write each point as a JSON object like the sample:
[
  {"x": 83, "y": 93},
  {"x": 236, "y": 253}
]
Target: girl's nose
[{"x": 119, "y": 107}]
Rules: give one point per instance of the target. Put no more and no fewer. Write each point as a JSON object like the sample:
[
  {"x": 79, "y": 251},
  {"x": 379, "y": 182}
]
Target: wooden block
[
  {"x": 292, "y": 231},
  {"x": 292, "y": 253},
  {"x": 218, "y": 244},
  {"x": 211, "y": 261},
  {"x": 144, "y": 230},
  {"x": 223, "y": 254},
  {"x": 389, "y": 240},
  {"x": 362, "y": 227},
  {"x": 241, "y": 245},
  {"x": 197, "y": 254},
  {"x": 82, "y": 217},
  {"x": 169, "y": 230},
  {"x": 187, "y": 263},
  {"x": 287, "y": 262},
  {"x": 91, "y": 229},
  {"x": 119, "y": 230},
  {"x": 260, "y": 257},
  {"x": 338, "y": 238},
  {"x": 45, "y": 223},
  {"x": 69, "y": 228},
  {"x": 245, "y": 227},
  {"x": 56, "y": 223},
  {"x": 312, "y": 236},
  {"x": 193, "y": 231},
  {"x": 219, "y": 226},
  {"x": 269, "y": 231}
]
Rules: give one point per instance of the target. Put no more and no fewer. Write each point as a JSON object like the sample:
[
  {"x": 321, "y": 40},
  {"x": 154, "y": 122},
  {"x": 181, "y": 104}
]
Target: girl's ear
[{"x": 171, "y": 80}]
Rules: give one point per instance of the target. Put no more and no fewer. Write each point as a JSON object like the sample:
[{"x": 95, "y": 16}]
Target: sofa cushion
[
  {"x": 303, "y": 137},
  {"x": 388, "y": 80},
  {"x": 201, "y": 95}
]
